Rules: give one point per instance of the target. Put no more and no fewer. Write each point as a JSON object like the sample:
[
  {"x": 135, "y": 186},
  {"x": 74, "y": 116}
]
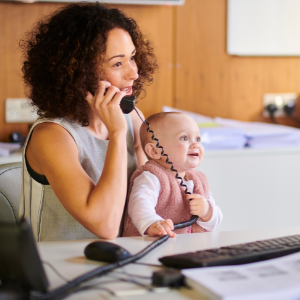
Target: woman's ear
[{"x": 152, "y": 151}]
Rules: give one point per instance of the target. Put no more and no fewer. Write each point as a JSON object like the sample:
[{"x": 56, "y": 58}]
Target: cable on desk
[
  {"x": 55, "y": 271},
  {"x": 96, "y": 287},
  {"x": 114, "y": 279},
  {"x": 70, "y": 287},
  {"x": 123, "y": 272},
  {"x": 146, "y": 286}
]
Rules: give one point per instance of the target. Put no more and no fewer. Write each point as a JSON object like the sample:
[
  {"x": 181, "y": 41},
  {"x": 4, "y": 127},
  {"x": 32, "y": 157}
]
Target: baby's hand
[
  {"x": 161, "y": 227},
  {"x": 199, "y": 206}
]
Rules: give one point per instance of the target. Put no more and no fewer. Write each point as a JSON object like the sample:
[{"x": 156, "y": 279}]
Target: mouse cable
[
  {"x": 130, "y": 280},
  {"x": 70, "y": 287},
  {"x": 112, "y": 279},
  {"x": 55, "y": 271},
  {"x": 125, "y": 273},
  {"x": 95, "y": 287},
  {"x": 100, "y": 285},
  {"x": 67, "y": 289}
]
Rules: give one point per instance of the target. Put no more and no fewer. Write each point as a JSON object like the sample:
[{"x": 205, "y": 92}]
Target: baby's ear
[{"x": 152, "y": 151}]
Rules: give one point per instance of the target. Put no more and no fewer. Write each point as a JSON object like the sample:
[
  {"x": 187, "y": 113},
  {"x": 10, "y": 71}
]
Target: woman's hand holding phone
[{"x": 106, "y": 105}]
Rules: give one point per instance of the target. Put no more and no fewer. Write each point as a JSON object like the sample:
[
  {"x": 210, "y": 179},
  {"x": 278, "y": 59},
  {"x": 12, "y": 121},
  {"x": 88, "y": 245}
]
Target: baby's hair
[{"x": 155, "y": 121}]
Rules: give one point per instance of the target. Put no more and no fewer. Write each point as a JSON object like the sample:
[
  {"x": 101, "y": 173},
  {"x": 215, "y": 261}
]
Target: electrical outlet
[
  {"x": 280, "y": 100},
  {"x": 19, "y": 110}
]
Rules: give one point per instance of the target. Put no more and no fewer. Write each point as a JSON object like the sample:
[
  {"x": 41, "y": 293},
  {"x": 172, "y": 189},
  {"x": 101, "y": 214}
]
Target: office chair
[{"x": 10, "y": 191}]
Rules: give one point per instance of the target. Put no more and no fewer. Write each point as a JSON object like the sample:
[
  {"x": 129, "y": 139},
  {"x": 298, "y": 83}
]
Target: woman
[{"x": 79, "y": 64}]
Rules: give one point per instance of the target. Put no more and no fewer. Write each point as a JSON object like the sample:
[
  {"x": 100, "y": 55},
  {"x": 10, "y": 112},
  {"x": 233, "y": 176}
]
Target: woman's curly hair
[{"x": 63, "y": 58}]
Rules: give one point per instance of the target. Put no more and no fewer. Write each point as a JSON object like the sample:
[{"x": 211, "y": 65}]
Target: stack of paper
[
  {"x": 219, "y": 133},
  {"x": 274, "y": 279},
  {"x": 215, "y": 136},
  {"x": 7, "y": 148},
  {"x": 263, "y": 135}
]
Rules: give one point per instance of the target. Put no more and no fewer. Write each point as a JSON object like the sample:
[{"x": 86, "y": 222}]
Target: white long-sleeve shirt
[{"x": 143, "y": 200}]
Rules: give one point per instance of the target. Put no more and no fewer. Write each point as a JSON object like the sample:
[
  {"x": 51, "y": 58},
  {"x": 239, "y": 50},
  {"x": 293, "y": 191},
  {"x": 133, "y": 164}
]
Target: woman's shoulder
[
  {"x": 50, "y": 134},
  {"x": 49, "y": 126},
  {"x": 44, "y": 129},
  {"x": 46, "y": 144}
]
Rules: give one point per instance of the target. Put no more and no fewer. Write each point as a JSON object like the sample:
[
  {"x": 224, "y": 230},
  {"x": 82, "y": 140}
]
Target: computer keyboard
[{"x": 235, "y": 254}]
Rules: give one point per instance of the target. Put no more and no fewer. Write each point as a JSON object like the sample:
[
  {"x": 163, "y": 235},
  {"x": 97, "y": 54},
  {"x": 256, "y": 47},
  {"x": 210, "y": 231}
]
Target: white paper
[
  {"x": 8, "y": 148},
  {"x": 274, "y": 279},
  {"x": 233, "y": 134},
  {"x": 259, "y": 129}
]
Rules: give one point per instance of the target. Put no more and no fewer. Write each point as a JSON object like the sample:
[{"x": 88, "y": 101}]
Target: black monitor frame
[{"x": 20, "y": 263}]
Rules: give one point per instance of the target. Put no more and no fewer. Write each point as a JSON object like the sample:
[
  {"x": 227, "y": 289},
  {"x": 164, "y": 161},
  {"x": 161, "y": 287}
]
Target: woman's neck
[{"x": 97, "y": 128}]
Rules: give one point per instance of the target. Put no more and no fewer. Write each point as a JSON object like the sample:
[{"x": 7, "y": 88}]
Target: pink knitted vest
[{"x": 171, "y": 203}]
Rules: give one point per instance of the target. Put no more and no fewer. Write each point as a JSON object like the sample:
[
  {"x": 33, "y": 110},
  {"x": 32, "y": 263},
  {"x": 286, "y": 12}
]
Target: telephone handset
[{"x": 127, "y": 104}]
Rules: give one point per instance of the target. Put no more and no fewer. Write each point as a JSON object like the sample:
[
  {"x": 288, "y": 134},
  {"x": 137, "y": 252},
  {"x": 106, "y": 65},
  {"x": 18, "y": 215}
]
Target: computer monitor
[{"x": 20, "y": 264}]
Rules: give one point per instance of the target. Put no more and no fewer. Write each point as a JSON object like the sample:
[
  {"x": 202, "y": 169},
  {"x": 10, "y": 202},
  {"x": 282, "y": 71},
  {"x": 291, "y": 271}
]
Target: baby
[{"x": 156, "y": 199}]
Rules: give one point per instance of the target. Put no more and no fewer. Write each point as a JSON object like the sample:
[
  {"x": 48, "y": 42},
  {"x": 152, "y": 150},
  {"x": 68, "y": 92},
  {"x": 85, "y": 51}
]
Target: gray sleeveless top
[{"x": 49, "y": 219}]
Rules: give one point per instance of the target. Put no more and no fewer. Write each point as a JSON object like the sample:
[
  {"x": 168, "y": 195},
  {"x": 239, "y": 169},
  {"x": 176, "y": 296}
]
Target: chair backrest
[{"x": 10, "y": 191}]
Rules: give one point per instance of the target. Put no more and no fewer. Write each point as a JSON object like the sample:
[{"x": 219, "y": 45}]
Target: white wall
[
  {"x": 263, "y": 27},
  {"x": 255, "y": 188}
]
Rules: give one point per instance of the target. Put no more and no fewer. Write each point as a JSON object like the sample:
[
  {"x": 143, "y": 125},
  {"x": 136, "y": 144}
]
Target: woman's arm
[
  {"x": 97, "y": 207},
  {"x": 53, "y": 152}
]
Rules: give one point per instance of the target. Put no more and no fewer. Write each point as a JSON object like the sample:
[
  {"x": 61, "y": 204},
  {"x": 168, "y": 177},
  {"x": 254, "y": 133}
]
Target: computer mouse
[{"x": 105, "y": 251}]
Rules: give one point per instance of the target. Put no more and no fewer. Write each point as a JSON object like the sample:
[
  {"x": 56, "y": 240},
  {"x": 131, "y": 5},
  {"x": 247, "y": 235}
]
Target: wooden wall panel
[
  {"x": 17, "y": 18},
  {"x": 156, "y": 22},
  {"x": 213, "y": 83},
  {"x": 202, "y": 83},
  {"x": 191, "y": 37}
]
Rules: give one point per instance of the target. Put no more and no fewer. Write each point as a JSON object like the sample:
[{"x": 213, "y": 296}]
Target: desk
[
  {"x": 15, "y": 157},
  {"x": 67, "y": 257}
]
